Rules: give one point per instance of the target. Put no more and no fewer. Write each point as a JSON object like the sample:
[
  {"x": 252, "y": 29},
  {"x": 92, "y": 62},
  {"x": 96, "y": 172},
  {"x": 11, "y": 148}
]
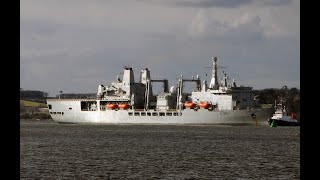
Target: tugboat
[{"x": 281, "y": 117}]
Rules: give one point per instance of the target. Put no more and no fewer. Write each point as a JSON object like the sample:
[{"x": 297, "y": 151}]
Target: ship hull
[
  {"x": 67, "y": 111},
  {"x": 280, "y": 122}
]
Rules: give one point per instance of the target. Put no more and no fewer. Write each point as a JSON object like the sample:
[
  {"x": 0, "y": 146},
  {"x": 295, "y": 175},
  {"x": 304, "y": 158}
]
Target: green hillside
[{"x": 32, "y": 104}]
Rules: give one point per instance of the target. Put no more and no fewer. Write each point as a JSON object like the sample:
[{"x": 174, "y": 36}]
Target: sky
[{"x": 75, "y": 45}]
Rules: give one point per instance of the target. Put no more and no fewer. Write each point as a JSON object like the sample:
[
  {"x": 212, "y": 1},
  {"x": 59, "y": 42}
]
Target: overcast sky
[{"x": 75, "y": 45}]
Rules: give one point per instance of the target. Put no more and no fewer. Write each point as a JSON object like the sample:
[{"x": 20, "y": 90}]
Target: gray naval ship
[{"x": 128, "y": 102}]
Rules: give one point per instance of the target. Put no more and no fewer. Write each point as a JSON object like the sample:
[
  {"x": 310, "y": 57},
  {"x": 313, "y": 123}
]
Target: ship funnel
[
  {"x": 144, "y": 75},
  {"x": 127, "y": 80},
  {"x": 101, "y": 88},
  {"x": 128, "y": 77},
  {"x": 204, "y": 86}
]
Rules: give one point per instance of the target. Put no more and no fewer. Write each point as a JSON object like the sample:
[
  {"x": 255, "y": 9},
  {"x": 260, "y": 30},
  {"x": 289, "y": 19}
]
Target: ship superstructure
[{"x": 127, "y": 101}]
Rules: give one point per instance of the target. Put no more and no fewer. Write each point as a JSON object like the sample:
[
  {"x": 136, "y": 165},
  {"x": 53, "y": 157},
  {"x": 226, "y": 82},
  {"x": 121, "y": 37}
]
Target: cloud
[
  {"x": 273, "y": 2},
  {"x": 243, "y": 28},
  {"x": 76, "y": 45},
  {"x": 215, "y": 3},
  {"x": 211, "y": 3},
  {"x": 198, "y": 3}
]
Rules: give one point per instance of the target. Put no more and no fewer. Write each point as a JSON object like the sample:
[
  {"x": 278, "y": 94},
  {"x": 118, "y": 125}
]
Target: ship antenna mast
[{"x": 214, "y": 77}]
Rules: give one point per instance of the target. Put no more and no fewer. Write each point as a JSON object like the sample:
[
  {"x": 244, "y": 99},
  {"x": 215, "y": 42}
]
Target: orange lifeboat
[
  {"x": 204, "y": 105},
  {"x": 123, "y": 106},
  {"x": 189, "y": 105},
  {"x": 111, "y": 106}
]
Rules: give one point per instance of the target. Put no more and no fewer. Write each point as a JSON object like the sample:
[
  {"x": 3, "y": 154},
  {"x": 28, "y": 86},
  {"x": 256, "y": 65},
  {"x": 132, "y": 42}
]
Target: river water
[{"x": 68, "y": 151}]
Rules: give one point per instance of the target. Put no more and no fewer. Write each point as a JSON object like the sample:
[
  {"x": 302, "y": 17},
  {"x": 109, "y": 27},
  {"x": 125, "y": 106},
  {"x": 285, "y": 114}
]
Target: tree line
[
  {"x": 290, "y": 97},
  {"x": 33, "y": 95}
]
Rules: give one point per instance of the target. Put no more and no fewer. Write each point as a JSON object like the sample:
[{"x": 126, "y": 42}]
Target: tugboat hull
[{"x": 283, "y": 123}]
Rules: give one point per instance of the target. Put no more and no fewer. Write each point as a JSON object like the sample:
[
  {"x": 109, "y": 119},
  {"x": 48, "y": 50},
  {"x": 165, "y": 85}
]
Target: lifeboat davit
[
  {"x": 123, "y": 106},
  {"x": 189, "y": 105},
  {"x": 111, "y": 106},
  {"x": 204, "y": 105}
]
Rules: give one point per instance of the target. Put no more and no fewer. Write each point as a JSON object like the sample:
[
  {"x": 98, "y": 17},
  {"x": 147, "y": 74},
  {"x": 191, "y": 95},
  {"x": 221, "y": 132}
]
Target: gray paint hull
[{"x": 62, "y": 113}]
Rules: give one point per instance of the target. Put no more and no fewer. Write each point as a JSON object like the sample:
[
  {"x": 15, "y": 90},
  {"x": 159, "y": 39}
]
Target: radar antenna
[
  {"x": 218, "y": 67},
  {"x": 127, "y": 67}
]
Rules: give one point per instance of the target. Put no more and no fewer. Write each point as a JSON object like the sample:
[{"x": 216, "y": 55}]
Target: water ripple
[{"x": 56, "y": 151}]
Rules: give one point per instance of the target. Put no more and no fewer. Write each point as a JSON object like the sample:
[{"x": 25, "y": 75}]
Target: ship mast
[{"x": 214, "y": 77}]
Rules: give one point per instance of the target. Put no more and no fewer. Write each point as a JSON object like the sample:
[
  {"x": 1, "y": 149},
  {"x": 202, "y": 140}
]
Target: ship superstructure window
[
  {"x": 162, "y": 114},
  {"x": 88, "y": 105},
  {"x": 148, "y": 114},
  {"x": 103, "y": 105},
  {"x": 143, "y": 114},
  {"x": 169, "y": 114},
  {"x": 137, "y": 114},
  {"x": 130, "y": 113},
  {"x": 49, "y": 106},
  {"x": 57, "y": 113},
  {"x": 154, "y": 114}
]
